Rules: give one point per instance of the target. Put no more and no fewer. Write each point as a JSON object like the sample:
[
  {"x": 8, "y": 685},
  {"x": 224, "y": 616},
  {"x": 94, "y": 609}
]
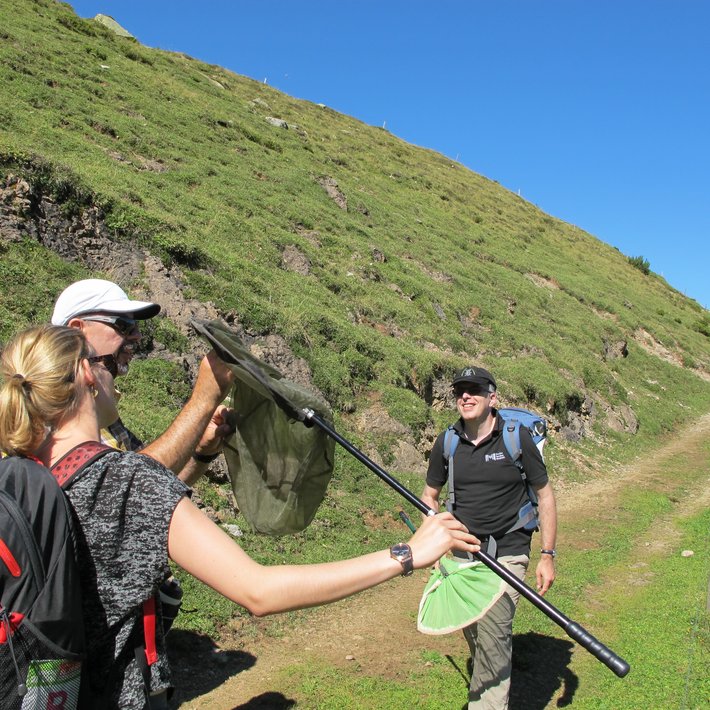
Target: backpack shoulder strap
[
  {"x": 75, "y": 461},
  {"x": 451, "y": 441},
  {"x": 511, "y": 440},
  {"x": 66, "y": 471}
]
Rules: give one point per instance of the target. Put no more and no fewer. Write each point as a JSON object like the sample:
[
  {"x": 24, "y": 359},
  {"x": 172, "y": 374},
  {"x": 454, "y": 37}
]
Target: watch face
[{"x": 403, "y": 554}]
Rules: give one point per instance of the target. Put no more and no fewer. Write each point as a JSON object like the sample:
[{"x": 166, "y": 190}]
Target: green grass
[
  {"x": 31, "y": 279},
  {"x": 663, "y": 627},
  {"x": 331, "y": 689}
]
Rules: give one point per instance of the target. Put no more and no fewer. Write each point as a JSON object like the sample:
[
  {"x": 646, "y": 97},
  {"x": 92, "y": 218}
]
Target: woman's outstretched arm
[{"x": 208, "y": 553}]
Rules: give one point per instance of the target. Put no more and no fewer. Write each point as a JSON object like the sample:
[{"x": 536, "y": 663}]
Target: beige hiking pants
[{"x": 491, "y": 642}]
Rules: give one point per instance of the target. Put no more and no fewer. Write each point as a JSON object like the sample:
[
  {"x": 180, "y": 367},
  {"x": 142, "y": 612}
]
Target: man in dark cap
[{"x": 489, "y": 493}]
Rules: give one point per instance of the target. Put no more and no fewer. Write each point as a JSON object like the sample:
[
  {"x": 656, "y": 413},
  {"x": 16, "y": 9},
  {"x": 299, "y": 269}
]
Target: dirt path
[{"x": 376, "y": 630}]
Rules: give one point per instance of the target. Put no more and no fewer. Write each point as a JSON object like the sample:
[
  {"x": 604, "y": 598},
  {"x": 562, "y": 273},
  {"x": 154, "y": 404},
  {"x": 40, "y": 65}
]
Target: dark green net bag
[{"x": 279, "y": 467}]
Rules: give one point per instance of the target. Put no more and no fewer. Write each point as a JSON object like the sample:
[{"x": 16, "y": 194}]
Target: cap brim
[
  {"x": 480, "y": 382},
  {"x": 140, "y": 310}
]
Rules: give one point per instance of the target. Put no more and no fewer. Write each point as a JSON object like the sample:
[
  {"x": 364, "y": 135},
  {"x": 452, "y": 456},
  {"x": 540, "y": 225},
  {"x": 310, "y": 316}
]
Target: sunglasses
[
  {"x": 473, "y": 390},
  {"x": 108, "y": 361},
  {"x": 123, "y": 326}
]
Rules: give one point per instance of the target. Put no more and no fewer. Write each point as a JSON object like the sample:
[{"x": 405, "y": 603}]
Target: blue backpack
[{"x": 514, "y": 418}]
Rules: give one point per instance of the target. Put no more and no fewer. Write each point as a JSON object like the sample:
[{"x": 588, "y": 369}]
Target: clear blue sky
[{"x": 596, "y": 111}]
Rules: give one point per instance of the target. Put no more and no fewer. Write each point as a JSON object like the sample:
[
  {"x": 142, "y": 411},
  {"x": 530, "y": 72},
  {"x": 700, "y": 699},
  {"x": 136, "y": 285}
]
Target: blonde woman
[{"x": 133, "y": 514}]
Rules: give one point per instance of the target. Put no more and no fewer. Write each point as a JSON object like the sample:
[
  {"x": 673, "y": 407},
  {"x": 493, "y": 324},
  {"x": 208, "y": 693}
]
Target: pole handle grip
[{"x": 615, "y": 663}]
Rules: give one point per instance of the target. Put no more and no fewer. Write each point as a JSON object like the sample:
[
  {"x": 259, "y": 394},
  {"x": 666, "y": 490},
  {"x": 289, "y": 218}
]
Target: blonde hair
[{"x": 39, "y": 370}]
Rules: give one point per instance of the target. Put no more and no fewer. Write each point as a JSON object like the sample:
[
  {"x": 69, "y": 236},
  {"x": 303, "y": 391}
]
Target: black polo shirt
[{"x": 488, "y": 486}]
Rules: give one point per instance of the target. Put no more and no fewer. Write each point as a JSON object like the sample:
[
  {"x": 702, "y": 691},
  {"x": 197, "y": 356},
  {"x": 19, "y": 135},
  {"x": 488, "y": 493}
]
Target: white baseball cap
[{"x": 99, "y": 296}]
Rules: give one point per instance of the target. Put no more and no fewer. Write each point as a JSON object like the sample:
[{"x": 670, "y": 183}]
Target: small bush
[
  {"x": 181, "y": 252},
  {"x": 638, "y": 262},
  {"x": 702, "y": 325},
  {"x": 407, "y": 407}
]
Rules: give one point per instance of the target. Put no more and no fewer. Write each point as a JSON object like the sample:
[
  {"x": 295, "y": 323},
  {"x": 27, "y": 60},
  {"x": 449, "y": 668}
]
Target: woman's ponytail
[{"x": 38, "y": 369}]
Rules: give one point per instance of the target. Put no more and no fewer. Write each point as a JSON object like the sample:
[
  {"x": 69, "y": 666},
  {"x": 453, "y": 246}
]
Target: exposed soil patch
[
  {"x": 542, "y": 281},
  {"x": 375, "y": 630},
  {"x": 654, "y": 347}
]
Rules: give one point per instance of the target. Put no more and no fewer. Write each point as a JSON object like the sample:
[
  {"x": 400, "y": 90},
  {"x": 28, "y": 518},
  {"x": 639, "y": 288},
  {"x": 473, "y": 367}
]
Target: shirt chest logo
[{"x": 498, "y": 456}]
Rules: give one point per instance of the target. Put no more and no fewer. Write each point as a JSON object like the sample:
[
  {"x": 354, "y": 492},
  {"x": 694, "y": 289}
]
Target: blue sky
[{"x": 596, "y": 111}]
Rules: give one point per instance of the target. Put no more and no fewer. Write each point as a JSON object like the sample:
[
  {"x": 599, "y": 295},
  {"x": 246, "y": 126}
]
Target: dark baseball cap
[{"x": 475, "y": 376}]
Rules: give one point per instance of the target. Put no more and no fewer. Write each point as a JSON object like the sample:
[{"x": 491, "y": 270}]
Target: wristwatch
[
  {"x": 403, "y": 554},
  {"x": 553, "y": 553}
]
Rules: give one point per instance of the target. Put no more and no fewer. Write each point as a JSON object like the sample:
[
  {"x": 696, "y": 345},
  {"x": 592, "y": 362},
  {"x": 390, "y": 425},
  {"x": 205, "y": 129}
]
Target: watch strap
[{"x": 205, "y": 458}]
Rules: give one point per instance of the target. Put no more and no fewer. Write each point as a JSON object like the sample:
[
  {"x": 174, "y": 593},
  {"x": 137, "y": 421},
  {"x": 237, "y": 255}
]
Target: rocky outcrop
[
  {"x": 293, "y": 259},
  {"x": 81, "y": 236},
  {"x": 615, "y": 350},
  {"x": 330, "y": 185},
  {"x": 278, "y": 122},
  {"x": 108, "y": 21},
  {"x": 15, "y": 208},
  {"x": 622, "y": 419}
]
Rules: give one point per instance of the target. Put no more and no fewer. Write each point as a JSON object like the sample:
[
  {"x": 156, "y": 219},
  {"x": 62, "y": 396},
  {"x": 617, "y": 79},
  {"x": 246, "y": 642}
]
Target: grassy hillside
[{"x": 408, "y": 264}]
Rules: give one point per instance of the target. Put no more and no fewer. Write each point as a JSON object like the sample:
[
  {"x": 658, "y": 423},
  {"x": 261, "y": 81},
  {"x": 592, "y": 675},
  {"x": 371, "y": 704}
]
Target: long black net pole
[{"x": 574, "y": 630}]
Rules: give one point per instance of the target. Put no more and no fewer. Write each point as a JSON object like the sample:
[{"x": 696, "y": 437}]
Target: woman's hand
[{"x": 437, "y": 535}]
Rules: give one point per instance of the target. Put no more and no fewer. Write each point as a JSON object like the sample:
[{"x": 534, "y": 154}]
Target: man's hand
[
  {"x": 182, "y": 438},
  {"x": 545, "y": 573},
  {"x": 214, "y": 378},
  {"x": 221, "y": 426}
]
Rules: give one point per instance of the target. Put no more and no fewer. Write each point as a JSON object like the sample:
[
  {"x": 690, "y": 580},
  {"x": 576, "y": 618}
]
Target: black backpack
[{"x": 41, "y": 624}]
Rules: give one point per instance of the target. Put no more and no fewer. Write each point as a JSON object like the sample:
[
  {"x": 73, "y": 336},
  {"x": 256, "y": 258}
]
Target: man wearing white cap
[{"x": 110, "y": 321}]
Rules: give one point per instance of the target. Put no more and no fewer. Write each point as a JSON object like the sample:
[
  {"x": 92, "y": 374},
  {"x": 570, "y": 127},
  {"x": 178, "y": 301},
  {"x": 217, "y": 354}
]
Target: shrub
[
  {"x": 406, "y": 406},
  {"x": 643, "y": 265},
  {"x": 702, "y": 325}
]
